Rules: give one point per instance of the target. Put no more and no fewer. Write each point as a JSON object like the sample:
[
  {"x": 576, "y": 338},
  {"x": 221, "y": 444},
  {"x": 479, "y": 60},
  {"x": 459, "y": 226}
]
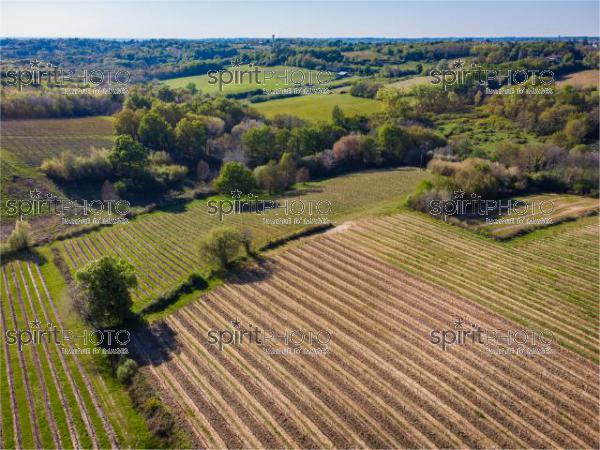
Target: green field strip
[
  {"x": 11, "y": 428},
  {"x": 68, "y": 366},
  {"x": 58, "y": 410},
  {"x": 61, "y": 365},
  {"x": 23, "y": 407},
  {"x": 88, "y": 394},
  {"x": 39, "y": 377}
]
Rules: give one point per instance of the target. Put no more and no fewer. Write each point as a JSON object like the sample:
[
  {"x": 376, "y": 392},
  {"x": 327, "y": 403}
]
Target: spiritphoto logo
[
  {"x": 72, "y": 212},
  {"x": 254, "y": 75},
  {"x": 288, "y": 211},
  {"x": 459, "y": 75},
  {"x": 40, "y": 73},
  {"x": 518, "y": 341},
  {"x": 471, "y": 205},
  {"x": 86, "y": 341},
  {"x": 270, "y": 340}
]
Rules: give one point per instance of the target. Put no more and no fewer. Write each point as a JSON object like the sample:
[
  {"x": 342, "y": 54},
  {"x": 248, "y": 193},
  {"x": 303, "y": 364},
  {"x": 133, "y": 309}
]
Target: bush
[
  {"x": 126, "y": 370},
  {"x": 193, "y": 282},
  {"x": 19, "y": 239},
  {"x": 365, "y": 89},
  {"x": 425, "y": 193},
  {"x": 159, "y": 417},
  {"x": 221, "y": 247},
  {"x": 303, "y": 175},
  {"x": 276, "y": 177},
  {"x": 168, "y": 175},
  {"x": 68, "y": 167}
]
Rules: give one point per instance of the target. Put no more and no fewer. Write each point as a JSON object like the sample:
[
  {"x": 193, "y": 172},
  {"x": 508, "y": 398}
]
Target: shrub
[
  {"x": 68, "y": 167},
  {"x": 221, "y": 247},
  {"x": 168, "y": 175},
  {"x": 425, "y": 193},
  {"x": 126, "y": 370},
  {"x": 19, "y": 239},
  {"x": 303, "y": 175},
  {"x": 365, "y": 89},
  {"x": 276, "y": 177},
  {"x": 159, "y": 417}
]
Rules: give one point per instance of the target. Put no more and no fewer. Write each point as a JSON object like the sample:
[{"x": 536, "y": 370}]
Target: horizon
[
  {"x": 301, "y": 20},
  {"x": 355, "y": 38}
]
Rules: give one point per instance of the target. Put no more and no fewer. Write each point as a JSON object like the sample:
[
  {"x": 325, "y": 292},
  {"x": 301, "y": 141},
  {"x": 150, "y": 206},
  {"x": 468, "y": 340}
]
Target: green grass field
[
  {"x": 318, "y": 107},
  {"x": 481, "y": 131},
  {"x": 410, "y": 82},
  {"x": 276, "y": 79}
]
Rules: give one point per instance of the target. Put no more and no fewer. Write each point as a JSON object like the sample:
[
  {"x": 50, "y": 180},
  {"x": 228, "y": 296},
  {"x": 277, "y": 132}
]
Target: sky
[{"x": 222, "y": 19}]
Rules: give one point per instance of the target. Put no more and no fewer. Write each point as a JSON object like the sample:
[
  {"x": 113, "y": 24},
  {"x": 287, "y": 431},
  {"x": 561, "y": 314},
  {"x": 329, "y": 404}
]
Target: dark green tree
[
  {"x": 190, "y": 138},
  {"x": 106, "y": 283},
  {"x": 128, "y": 156},
  {"x": 234, "y": 176},
  {"x": 155, "y": 132}
]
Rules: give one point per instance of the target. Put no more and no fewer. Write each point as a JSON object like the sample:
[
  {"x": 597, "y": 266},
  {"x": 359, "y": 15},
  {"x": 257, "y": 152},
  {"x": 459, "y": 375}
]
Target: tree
[
  {"x": 268, "y": 177},
  {"x": 221, "y": 247},
  {"x": 127, "y": 156},
  {"x": 337, "y": 116},
  {"x": 127, "y": 121},
  {"x": 166, "y": 94},
  {"x": 192, "y": 88},
  {"x": 235, "y": 176},
  {"x": 287, "y": 167},
  {"x": 347, "y": 148},
  {"x": 202, "y": 170},
  {"x": 190, "y": 138},
  {"x": 393, "y": 142},
  {"x": 155, "y": 132},
  {"x": 126, "y": 370},
  {"x": 106, "y": 283},
  {"x": 259, "y": 145},
  {"x": 575, "y": 131}
]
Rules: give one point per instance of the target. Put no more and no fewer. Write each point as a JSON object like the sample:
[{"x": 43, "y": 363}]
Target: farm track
[{"x": 383, "y": 383}]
